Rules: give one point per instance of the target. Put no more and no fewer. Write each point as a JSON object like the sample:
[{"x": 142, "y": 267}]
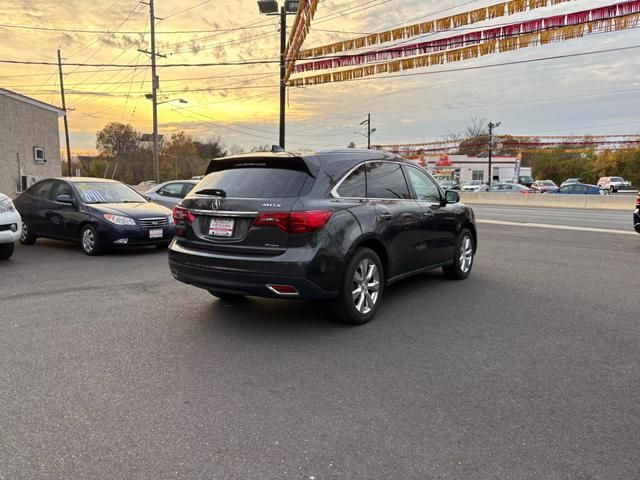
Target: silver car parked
[{"x": 170, "y": 193}]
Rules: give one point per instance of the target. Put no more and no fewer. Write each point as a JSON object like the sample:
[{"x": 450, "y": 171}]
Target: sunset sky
[{"x": 589, "y": 94}]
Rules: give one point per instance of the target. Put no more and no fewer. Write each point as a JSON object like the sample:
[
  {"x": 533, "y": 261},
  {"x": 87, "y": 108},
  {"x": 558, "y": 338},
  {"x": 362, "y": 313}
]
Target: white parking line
[{"x": 557, "y": 227}]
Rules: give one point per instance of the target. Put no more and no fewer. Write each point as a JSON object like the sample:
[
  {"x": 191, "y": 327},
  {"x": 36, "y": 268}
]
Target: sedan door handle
[
  {"x": 386, "y": 215},
  {"x": 428, "y": 214}
]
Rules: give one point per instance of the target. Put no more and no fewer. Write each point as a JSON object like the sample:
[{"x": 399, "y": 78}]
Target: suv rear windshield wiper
[{"x": 212, "y": 191}]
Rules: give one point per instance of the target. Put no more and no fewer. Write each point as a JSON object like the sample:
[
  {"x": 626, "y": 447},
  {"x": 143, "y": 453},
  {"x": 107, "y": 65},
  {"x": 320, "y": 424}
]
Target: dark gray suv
[{"x": 338, "y": 225}]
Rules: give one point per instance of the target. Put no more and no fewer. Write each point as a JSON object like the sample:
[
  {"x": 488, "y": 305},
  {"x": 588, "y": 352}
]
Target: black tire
[
  {"x": 462, "y": 258},
  {"x": 229, "y": 297},
  {"x": 26, "y": 237},
  {"x": 90, "y": 241},
  {"x": 356, "y": 308},
  {"x": 6, "y": 250}
]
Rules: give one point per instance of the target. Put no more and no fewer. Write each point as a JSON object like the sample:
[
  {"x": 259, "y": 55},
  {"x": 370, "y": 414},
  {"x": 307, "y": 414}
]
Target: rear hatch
[{"x": 242, "y": 203}]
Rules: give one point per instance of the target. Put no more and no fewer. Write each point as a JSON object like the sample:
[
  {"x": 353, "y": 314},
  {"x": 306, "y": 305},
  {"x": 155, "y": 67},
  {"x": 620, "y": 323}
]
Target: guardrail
[{"x": 599, "y": 202}]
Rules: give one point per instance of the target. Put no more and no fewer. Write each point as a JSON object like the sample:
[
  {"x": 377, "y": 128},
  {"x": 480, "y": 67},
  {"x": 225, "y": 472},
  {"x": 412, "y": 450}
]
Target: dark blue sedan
[
  {"x": 98, "y": 213},
  {"x": 577, "y": 189}
]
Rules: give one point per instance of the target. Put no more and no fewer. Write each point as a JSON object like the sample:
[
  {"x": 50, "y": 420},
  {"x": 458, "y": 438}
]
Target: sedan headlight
[
  {"x": 6, "y": 206},
  {"x": 119, "y": 220}
]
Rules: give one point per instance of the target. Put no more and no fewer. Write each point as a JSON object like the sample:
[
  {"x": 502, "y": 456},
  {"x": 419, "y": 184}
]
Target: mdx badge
[{"x": 271, "y": 205}]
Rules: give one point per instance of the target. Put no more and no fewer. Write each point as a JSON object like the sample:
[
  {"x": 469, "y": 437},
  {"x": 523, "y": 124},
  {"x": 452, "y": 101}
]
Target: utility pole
[
  {"x": 491, "y": 127},
  {"x": 369, "y": 130},
  {"x": 283, "y": 87},
  {"x": 155, "y": 84},
  {"x": 64, "y": 107}
]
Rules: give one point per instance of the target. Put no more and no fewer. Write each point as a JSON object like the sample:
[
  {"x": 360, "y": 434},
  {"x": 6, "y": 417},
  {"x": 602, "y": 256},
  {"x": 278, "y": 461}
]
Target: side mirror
[
  {"x": 66, "y": 199},
  {"x": 451, "y": 196}
]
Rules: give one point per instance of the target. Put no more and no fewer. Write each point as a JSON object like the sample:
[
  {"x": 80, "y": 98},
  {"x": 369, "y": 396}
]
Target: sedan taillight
[{"x": 296, "y": 222}]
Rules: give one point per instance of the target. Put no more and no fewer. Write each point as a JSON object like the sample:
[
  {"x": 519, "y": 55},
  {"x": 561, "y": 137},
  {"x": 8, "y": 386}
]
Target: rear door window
[
  {"x": 386, "y": 180},
  {"x": 255, "y": 182},
  {"x": 354, "y": 185},
  {"x": 172, "y": 190}
]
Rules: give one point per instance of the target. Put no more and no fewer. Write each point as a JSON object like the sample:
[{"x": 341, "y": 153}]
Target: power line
[
  {"x": 123, "y": 32},
  {"x": 185, "y": 10}
]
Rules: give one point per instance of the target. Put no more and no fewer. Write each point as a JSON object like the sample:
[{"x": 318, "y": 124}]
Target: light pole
[
  {"x": 270, "y": 7},
  {"x": 370, "y": 130},
  {"x": 491, "y": 127}
]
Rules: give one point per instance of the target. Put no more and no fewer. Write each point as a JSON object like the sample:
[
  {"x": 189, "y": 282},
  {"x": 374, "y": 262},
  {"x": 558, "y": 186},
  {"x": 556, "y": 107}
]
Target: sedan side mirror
[
  {"x": 451, "y": 196},
  {"x": 66, "y": 199}
]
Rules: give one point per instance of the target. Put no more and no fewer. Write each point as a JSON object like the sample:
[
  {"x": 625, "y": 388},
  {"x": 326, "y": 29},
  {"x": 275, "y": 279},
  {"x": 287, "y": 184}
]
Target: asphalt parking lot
[{"x": 527, "y": 370}]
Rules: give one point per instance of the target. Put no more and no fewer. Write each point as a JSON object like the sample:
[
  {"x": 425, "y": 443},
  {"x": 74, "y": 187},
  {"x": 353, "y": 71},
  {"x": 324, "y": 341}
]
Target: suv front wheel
[
  {"x": 361, "y": 289},
  {"x": 460, "y": 268}
]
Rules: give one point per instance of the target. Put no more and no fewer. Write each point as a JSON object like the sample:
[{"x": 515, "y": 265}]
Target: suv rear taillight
[
  {"x": 638, "y": 201},
  {"x": 182, "y": 216},
  {"x": 295, "y": 222}
]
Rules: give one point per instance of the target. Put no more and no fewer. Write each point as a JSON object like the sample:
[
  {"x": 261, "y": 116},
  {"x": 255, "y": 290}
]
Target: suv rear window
[{"x": 256, "y": 182}]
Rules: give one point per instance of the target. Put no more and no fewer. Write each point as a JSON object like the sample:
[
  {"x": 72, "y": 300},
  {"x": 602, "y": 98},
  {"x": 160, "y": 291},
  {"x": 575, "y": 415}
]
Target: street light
[
  {"x": 149, "y": 96},
  {"x": 270, "y": 7},
  {"x": 491, "y": 127},
  {"x": 370, "y": 130}
]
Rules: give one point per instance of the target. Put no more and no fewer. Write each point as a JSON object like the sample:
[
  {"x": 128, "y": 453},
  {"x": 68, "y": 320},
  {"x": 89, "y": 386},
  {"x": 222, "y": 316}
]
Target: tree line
[{"x": 124, "y": 156}]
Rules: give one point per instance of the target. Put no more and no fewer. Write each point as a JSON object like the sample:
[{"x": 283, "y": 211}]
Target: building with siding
[{"x": 29, "y": 141}]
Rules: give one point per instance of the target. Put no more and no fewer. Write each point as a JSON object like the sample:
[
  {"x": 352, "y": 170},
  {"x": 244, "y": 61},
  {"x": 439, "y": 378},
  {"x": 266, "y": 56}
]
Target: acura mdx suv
[{"x": 339, "y": 225}]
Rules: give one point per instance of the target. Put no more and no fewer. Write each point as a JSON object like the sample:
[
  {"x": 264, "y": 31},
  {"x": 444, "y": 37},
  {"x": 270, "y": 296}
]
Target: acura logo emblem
[{"x": 215, "y": 204}]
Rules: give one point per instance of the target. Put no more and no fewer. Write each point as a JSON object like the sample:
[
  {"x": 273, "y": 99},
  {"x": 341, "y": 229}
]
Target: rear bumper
[{"x": 245, "y": 275}]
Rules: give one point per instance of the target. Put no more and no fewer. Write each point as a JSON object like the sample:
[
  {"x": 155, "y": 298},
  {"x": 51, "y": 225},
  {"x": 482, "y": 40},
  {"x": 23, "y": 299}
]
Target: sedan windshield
[{"x": 107, "y": 192}]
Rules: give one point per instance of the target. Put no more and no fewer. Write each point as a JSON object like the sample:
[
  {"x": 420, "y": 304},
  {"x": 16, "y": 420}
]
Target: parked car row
[{"x": 98, "y": 213}]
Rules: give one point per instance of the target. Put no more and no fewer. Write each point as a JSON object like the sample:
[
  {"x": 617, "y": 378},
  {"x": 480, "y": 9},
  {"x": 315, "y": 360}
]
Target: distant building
[
  {"x": 462, "y": 167},
  {"x": 29, "y": 141}
]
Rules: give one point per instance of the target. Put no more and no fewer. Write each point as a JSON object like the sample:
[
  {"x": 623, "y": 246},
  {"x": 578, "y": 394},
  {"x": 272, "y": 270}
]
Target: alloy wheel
[
  {"x": 465, "y": 257},
  {"x": 88, "y": 240},
  {"x": 366, "y": 286}
]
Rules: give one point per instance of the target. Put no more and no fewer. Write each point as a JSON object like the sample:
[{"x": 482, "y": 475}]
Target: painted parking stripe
[{"x": 557, "y": 227}]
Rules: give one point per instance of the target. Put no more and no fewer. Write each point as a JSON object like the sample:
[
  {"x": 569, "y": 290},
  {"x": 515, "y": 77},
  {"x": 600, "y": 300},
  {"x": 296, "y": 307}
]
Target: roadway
[
  {"x": 528, "y": 369},
  {"x": 602, "y": 219}
]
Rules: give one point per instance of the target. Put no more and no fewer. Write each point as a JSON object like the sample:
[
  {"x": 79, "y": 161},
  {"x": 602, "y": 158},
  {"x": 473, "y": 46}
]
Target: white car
[
  {"x": 613, "y": 184},
  {"x": 474, "y": 186},
  {"x": 10, "y": 226}
]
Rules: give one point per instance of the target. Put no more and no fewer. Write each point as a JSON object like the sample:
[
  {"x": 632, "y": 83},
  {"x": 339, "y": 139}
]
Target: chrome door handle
[{"x": 385, "y": 215}]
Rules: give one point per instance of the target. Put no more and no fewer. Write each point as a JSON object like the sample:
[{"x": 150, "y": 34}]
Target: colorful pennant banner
[
  {"x": 306, "y": 11},
  {"x": 474, "y": 51},
  {"x": 432, "y": 26},
  {"x": 457, "y": 41}
]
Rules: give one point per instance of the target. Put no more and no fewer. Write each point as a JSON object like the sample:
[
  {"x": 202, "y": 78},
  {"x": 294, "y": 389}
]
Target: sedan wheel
[
  {"x": 362, "y": 288},
  {"x": 89, "y": 241}
]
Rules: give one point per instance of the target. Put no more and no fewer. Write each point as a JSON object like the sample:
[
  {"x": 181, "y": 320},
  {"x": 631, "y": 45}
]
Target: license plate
[
  {"x": 221, "y": 227},
  {"x": 155, "y": 233}
]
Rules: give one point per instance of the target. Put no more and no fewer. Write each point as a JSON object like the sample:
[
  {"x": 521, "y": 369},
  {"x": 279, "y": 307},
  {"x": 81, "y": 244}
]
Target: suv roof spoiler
[{"x": 276, "y": 160}]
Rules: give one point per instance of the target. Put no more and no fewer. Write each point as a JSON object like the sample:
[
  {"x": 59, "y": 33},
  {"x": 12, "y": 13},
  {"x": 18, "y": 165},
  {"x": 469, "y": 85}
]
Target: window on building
[
  {"x": 477, "y": 175},
  {"x": 38, "y": 155}
]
